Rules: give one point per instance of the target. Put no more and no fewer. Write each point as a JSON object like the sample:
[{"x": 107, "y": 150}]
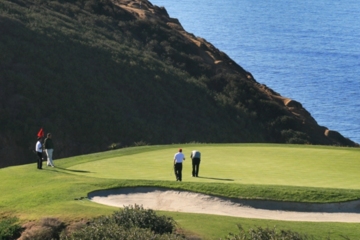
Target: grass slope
[{"x": 282, "y": 172}]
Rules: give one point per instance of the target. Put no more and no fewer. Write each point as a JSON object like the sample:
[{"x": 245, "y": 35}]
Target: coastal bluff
[
  {"x": 221, "y": 62},
  {"x": 102, "y": 75}
]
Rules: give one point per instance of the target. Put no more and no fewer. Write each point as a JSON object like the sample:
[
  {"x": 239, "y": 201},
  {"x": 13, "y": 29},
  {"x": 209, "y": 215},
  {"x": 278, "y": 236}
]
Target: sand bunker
[{"x": 183, "y": 201}]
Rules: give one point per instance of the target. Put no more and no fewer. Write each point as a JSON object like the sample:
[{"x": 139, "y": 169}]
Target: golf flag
[{"x": 41, "y": 133}]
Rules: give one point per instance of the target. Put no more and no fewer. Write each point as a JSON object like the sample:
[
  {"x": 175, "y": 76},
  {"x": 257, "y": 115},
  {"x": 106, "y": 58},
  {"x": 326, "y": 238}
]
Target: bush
[
  {"x": 141, "y": 143},
  {"x": 47, "y": 228},
  {"x": 114, "y": 231},
  {"x": 294, "y": 137},
  {"x": 133, "y": 222},
  {"x": 9, "y": 228},
  {"x": 260, "y": 233},
  {"x": 137, "y": 216}
]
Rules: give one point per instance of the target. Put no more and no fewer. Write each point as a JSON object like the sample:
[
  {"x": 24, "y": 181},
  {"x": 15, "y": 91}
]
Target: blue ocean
[{"x": 307, "y": 50}]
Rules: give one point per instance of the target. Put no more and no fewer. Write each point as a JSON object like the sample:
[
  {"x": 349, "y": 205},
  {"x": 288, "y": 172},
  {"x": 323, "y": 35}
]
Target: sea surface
[{"x": 306, "y": 50}]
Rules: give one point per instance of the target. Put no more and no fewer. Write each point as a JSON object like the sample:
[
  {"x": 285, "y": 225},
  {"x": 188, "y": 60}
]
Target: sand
[{"x": 183, "y": 201}]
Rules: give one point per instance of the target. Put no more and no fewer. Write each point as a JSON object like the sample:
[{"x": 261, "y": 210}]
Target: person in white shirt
[
  {"x": 195, "y": 157},
  {"x": 178, "y": 160},
  {"x": 39, "y": 152}
]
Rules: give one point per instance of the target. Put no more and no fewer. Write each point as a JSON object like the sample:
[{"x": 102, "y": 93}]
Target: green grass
[
  {"x": 291, "y": 165},
  {"x": 266, "y": 171},
  {"x": 209, "y": 226}
]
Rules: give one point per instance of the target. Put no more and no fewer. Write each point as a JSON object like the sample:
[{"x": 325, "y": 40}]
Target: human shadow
[
  {"x": 219, "y": 179},
  {"x": 71, "y": 170}
]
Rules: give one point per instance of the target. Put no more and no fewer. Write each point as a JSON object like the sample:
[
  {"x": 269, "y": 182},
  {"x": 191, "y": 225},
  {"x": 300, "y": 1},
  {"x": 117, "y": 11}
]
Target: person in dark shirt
[
  {"x": 195, "y": 157},
  {"x": 49, "y": 148}
]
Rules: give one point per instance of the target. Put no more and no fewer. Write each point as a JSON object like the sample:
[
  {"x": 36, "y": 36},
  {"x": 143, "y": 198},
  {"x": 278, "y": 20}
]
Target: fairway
[{"x": 285, "y": 165}]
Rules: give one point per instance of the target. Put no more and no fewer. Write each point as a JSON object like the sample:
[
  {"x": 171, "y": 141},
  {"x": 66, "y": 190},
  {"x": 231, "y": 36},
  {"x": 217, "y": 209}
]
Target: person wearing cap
[
  {"x": 195, "y": 157},
  {"x": 39, "y": 152},
  {"x": 49, "y": 148},
  {"x": 178, "y": 160}
]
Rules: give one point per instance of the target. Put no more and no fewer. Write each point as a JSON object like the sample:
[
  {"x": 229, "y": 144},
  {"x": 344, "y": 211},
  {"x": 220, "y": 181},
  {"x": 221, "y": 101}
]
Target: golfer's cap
[{"x": 180, "y": 150}]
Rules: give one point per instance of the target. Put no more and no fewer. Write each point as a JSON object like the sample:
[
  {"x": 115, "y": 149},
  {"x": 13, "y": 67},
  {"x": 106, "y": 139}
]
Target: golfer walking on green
[
  {"x": 178, "y": 160},
  {"x": 195, "y": 157}
]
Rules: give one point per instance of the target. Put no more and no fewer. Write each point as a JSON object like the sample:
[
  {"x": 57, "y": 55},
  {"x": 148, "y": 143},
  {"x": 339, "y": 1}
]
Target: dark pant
[
  {"x": 178, "y": 170},
  {"x": 195, "y": 166},
  {"x": 39, "y": 160}
]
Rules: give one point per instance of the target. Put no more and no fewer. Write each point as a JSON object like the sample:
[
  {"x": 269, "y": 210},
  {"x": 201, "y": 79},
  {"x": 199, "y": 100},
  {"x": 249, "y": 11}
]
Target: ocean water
[{"x": 306, "y": 50}]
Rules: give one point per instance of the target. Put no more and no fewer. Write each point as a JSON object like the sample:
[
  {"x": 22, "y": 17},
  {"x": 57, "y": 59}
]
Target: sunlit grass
[
  {"x": 278, "y": 172},
  {"x": 242, "y": 164}
]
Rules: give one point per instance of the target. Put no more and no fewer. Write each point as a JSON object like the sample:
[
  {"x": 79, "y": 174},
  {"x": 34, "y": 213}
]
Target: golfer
[
  {"x": 195, "y": 157},
  {"x": 49, "y": 148},
  {"x": 39, "y": 152},
  {"x": 178, "y": 160}
]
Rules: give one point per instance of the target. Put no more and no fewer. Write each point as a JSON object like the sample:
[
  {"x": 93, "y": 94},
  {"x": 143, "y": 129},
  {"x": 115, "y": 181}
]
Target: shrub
[
  {"x": 114, "y": 146},
  {"x": 294, "y": 137},
  {"x": 137, "y": 216},
  {"x": 260, "y": 233},
  {"x": 47, "y": 228},
  {"x": 141, "y": 143},
  {"x": 133, "y": 222},
  {"x": 114, "y": 231},
  {"x": 9, "y": 228}
]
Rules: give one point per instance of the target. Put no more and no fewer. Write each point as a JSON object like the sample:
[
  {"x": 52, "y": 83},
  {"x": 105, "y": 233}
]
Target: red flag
[{"x": 40, "y": 133}]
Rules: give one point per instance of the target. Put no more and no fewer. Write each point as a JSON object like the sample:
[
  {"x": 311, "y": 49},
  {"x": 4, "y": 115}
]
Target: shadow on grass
[
  {"x": 70, "y": 170},
  {"x": 219, "y": 179}
]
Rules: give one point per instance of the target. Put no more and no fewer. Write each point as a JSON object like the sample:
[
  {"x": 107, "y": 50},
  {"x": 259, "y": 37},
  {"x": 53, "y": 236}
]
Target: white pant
[{"x": 49, "y": 153}]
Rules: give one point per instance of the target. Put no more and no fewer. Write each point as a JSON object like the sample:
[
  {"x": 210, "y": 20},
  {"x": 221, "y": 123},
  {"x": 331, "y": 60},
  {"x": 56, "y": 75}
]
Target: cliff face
[
  {"x": 104, "y": 74},
  {"x": 220, "y": 62}
]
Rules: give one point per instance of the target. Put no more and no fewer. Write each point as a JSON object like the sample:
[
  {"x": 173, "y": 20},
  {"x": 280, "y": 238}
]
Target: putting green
[{"x": 265, "y": 164}]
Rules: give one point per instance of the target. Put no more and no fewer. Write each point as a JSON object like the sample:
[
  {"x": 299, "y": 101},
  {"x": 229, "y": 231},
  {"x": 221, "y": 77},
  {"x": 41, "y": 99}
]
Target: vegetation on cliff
[{"x": 103, "y": 74}]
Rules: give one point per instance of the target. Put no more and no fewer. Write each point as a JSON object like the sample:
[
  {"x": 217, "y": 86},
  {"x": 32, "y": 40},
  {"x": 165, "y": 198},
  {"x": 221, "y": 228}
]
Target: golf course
[{"x": 278, "y": 172}]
